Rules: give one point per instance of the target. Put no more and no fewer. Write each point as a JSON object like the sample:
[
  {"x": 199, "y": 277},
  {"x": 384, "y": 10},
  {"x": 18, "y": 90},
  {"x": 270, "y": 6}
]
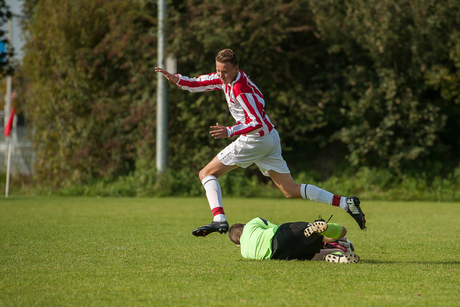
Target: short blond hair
[{"x": 227, "y": 56}]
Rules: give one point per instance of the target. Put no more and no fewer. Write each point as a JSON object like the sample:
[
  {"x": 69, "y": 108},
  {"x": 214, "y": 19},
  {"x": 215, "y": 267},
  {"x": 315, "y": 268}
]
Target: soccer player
[
  {"x": 261, "y": 239},
  {"x": 258, "y": 142}
]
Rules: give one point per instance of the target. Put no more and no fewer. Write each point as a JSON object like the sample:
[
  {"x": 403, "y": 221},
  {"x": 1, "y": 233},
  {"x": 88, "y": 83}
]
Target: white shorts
[{"x": 264, "y": 151}]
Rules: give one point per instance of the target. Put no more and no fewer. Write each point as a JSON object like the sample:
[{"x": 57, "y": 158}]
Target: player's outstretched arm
[{"x": 169, "y": 76}]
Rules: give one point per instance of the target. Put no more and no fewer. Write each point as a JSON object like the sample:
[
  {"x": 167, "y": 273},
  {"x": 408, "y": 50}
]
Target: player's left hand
[
  {"x": 218, "y": 131},
  {"x": 168, "y": 75}
]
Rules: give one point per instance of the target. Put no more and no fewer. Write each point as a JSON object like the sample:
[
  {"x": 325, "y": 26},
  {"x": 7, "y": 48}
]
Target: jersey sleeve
[{"x": 203, "y": 83}]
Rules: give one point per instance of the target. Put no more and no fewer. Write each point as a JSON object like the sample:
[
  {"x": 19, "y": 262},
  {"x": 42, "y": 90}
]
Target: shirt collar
[{"x": 237, "y": 78}]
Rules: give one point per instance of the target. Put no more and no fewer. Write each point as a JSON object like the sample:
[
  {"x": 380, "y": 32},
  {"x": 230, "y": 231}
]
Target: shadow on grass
[{"x": 408, "y": 262}]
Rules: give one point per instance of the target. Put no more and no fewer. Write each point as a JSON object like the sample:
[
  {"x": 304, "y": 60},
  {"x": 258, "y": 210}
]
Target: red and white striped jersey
[{"x": 245, "y": 101}]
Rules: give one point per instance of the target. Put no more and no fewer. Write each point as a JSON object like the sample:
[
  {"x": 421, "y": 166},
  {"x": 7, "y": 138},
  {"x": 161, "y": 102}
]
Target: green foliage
[
  {"x": 7, "y": 65},
  {"x": 383, "y": 184},
  {"x": 173, "y": 183},
  {"x": 88, "y": 251},
  {"x": 272, "y": 53},
  {"x": 389, "y": 54},
  {"x": 379, "y": 77},
  {"x": 367, "y": 183},
  {"x": 90, "y": 95}
]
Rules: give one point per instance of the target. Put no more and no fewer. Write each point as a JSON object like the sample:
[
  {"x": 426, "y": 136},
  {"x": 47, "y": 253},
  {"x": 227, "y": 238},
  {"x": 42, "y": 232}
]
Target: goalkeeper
[{"x": 261, "y": 239}]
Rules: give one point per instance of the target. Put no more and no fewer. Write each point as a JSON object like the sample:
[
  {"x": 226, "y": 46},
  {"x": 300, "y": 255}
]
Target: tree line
[{"x": 370, "y": 83}]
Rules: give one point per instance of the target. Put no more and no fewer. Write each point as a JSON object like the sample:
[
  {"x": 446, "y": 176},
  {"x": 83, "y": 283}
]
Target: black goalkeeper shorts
[{"x": 290, "y": 242}]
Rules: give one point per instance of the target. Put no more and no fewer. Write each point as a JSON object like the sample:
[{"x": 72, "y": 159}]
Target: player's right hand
[{"x": 218, "y": 131}]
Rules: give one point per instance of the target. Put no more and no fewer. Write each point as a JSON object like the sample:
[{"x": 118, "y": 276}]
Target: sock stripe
[
  {"x": 217, "y": 210},
  {"x": 210, "y": 179},
  {"x": 336, "y": 200}
]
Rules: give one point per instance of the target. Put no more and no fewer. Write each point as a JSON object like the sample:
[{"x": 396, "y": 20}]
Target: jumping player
[{"x": 258, "y": 142}]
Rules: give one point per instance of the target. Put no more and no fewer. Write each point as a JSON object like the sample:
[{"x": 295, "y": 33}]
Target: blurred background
[{"x": 365, "y": 95}]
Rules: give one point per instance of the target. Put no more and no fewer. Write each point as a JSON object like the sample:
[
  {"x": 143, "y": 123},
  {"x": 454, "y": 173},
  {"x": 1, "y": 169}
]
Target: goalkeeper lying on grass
[{"x": 261, "y": 239}]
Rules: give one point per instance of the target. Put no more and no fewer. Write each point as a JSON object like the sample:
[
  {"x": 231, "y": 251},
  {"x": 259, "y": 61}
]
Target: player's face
[{"x": 226, "y": 72}]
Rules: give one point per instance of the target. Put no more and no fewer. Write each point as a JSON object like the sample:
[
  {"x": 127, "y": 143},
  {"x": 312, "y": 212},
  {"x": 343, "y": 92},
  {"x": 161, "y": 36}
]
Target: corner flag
[
  {"x": 9, "y": 125},
  {"x": 8, "y": 128}
]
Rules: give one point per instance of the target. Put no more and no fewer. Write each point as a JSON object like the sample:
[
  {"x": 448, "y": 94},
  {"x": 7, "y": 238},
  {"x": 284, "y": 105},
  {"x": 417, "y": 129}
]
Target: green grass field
[{"x": 76, "y": 251}]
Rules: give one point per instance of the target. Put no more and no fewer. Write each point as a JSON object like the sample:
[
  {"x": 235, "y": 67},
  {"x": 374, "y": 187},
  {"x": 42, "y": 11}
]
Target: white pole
[
  {"x": 8, "y": 168},
  {"x": 8, "y": 98},
  {"x": 162, "y": 99},
  {"x": 9, "y": 81}
]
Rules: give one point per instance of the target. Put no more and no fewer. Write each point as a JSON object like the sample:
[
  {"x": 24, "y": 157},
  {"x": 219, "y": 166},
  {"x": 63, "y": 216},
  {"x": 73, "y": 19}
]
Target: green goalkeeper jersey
[{"x": 256, "y": 240}]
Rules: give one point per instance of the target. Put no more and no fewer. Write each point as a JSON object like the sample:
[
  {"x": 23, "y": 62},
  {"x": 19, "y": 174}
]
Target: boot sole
[
  {"x": 315, "y": 229},
  {"x": 204, "y": 233},
  {"x": 336, "y": 259},
  {"x": 352, "y": 258}
]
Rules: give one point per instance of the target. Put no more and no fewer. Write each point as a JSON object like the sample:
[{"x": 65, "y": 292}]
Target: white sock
[
  {"x": 312, "y": 192},
  {"x": 343, "y": 203},
  {"x": 214, "y": 195}
]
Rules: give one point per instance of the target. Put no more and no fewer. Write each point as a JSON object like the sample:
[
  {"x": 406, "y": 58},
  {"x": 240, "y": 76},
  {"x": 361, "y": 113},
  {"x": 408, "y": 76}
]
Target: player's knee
[
  {"x": 291, "y": 192},
  {"x": 201, "y": 175},
  {"x": 344, "y": 232},
  {"x": 288, "y": 195}
]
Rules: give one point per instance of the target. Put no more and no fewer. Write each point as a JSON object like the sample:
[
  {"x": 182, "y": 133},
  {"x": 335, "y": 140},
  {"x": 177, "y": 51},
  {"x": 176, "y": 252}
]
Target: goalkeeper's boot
[
  {"x": 355, "y": 211},
  {"x": 203, "y": 231},
  {"x": 346, "y": 243},
  {"x": 353, "y": 258},
  {"x": 336, "y": 257},
  {"x": 319, "y": 226},
  {"x": 335, "y": 244},
  {"x": 339, "y": 257}
]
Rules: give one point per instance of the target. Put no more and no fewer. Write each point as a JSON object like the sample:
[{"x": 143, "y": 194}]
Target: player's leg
[
  {"x": 334, "y": 232},
  {"x": 286, "y": 184},
  {"x": 274, "y": 165},
  {"x": 208, "y": 176},
  {"x": 350, "y": 204},
  {"x": 291, "y": 189},
  {"x": 215, "y": 168},
  {"x": 243, "y": 152},
  {"x": 337, "y": 251},
  {"x": 335, "y": 255},
  {"x": 330, "y": 231}
]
